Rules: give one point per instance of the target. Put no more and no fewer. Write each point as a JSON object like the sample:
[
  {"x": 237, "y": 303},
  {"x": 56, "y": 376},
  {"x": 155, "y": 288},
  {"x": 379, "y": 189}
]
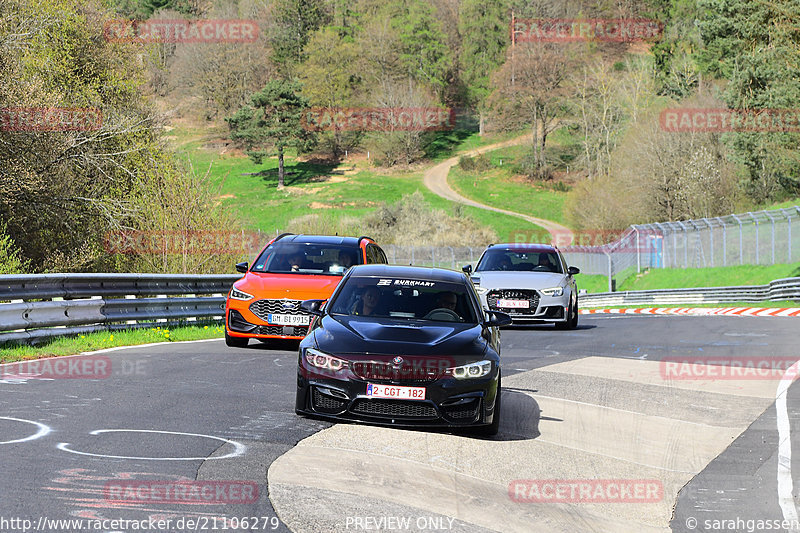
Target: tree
[
  {"x": 423, "y": 52},
  {"x": 295, "y": 21},
  {"x": 274, "y": 122},
  {"x": 330, "y": 78},
  {"x": 530, "y": 90},
  {"x": 754, "y": 45},
  {"x": 484, "y": 32}
]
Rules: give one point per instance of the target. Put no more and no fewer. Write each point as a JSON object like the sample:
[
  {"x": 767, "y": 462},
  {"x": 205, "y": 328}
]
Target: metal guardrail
[
  {"x": 779, "y": 289},
  {"x": 40, "y": 306}
]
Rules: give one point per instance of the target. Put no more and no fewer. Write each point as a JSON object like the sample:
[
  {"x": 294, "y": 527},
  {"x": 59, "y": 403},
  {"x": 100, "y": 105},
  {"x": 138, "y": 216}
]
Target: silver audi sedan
[{"x": 530, "y": 282}]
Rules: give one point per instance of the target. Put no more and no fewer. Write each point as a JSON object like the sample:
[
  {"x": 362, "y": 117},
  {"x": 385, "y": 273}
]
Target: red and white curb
[{"x": 703, "y": 311}]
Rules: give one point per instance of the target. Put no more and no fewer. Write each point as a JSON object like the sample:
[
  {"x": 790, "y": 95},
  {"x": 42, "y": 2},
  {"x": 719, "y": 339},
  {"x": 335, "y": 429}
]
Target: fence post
[
  {"x": 741, "y": 246},
  {"x": 710, "y": 238},
  {"x": 412, "y": 254},
  {"x": 758, "y": 260},
  {"x": 685, "y": 244},
  {"x": 453, "y": 253},
  {"x": 772, "y": 220},
  {"x": 724, "y": 241},
  {"x": 608, "y": 255},
  {"x": 638, "y": 257}
]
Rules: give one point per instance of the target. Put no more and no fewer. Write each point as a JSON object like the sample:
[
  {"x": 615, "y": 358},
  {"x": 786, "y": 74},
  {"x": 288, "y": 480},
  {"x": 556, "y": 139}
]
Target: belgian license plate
[
  {"x": 514, "y": 304},
  {"x": 289, "y": 320},
  {"x": 395, "y": 392}
]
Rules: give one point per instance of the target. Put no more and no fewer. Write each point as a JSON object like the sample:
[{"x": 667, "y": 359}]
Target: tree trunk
[
  {"x": 481, "y": 126},
  {"x": 280, "y": 167}
]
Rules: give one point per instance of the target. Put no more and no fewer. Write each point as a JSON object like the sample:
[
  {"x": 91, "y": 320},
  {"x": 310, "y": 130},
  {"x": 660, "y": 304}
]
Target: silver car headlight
[
  {"x": 472, "y": 370},
  {"x": 236, "y": 294},
  {"x": 555, "y": 291},
  {"x": 481, "y": 290}
]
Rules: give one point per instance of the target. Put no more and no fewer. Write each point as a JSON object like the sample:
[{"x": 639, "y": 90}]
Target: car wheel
[
  {"x": 236, "y": 342},
  {"x": 572, "y": 318},
  {"x": 492, "y": 429}
]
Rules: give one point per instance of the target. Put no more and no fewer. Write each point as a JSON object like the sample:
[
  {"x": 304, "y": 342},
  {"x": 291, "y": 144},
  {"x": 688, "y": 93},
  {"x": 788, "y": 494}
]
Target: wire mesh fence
[{"x": 753, "y": 238}]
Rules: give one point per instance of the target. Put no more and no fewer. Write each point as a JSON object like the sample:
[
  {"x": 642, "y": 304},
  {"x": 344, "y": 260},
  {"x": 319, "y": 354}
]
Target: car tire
[
  {"x": 236, "y": 342},
  {"x": 572, "y": 318},
  {"x": 492, "y": 429}
]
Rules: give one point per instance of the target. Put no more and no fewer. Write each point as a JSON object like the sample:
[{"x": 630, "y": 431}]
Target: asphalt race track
[{"x": 594, "y": 404}]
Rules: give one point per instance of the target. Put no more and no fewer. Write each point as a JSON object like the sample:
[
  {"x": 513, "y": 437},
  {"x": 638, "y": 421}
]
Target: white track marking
[
  {"x": 43, "y": 430},
  {"x": 785, "y": 486},
  {"x": 239, "y": 448}
]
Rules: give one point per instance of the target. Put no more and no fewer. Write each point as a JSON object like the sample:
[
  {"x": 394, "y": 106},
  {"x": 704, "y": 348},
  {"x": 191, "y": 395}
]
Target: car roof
[
  {"x": 523, "y": 246},
  {"x": 320, "y": 239},
  {"x": 412, "y": 272}
]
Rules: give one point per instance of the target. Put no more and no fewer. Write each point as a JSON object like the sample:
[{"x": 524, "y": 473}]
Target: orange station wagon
[{"x": 265, "y": 303}]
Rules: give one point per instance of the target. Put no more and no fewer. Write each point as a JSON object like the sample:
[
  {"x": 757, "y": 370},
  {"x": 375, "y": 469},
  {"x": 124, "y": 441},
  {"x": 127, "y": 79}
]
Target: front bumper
[
  {"x": 237, "y": 326},
  {"x": 449, "y": 402},
  {"x": 543, "y": 309}
]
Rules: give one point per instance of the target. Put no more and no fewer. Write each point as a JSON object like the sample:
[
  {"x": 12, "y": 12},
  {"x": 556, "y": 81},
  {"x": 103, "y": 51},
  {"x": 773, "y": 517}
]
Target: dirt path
[{"x": 435, "y": 179}]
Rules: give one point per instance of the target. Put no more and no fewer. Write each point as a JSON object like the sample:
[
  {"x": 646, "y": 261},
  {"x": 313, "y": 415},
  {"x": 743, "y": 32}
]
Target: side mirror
[
  {"x": 498, "y": 318},
  {"x": 242, "y": 267},
  {"x": 312, "y": 307},
  {"x": 573, "y": 270},
  {"x": 467, "y": 269}
]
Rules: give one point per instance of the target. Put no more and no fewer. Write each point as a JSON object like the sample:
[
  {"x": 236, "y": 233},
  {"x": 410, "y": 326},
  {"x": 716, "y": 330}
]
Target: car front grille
[
  {"x": 293, "y": 331},
  {"x": 394, "y": 409},
  {"x": 262, "y": 308},
  {"x": 531, "y": 296},
  {"x": 379, "y": 372}
]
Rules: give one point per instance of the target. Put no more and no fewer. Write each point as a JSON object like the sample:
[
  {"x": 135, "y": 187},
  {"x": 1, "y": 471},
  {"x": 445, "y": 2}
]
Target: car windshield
[
  {"x": 306, "y": 258},
  {"x": 519, "y": 261},
  {"x": 398, "y": 298}
]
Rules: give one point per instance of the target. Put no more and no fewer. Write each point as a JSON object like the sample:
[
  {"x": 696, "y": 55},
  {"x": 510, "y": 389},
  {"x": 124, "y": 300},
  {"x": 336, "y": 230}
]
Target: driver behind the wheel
[{"x": 447, "y": 300}]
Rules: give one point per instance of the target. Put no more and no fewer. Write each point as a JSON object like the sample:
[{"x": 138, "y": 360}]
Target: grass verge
[
  {"x": 768, "y": 303},
  {"x": 684, "y": 278},
  {"x": 108, "y": 339}
]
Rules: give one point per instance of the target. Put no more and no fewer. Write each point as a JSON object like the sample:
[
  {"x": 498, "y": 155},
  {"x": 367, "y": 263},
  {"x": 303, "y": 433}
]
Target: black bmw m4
[{"x": 402, "y": 346}]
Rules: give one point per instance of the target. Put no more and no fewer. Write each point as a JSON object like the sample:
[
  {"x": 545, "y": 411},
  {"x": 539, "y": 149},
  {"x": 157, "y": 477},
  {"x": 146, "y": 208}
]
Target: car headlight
[
  {"x": 236, "y": 294},
  {"x": 322, "y": 360},
  {"x": 555, "y": 291},
  {"x": 472, "y": 370},
  {"x": 481, "y": 290}
]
